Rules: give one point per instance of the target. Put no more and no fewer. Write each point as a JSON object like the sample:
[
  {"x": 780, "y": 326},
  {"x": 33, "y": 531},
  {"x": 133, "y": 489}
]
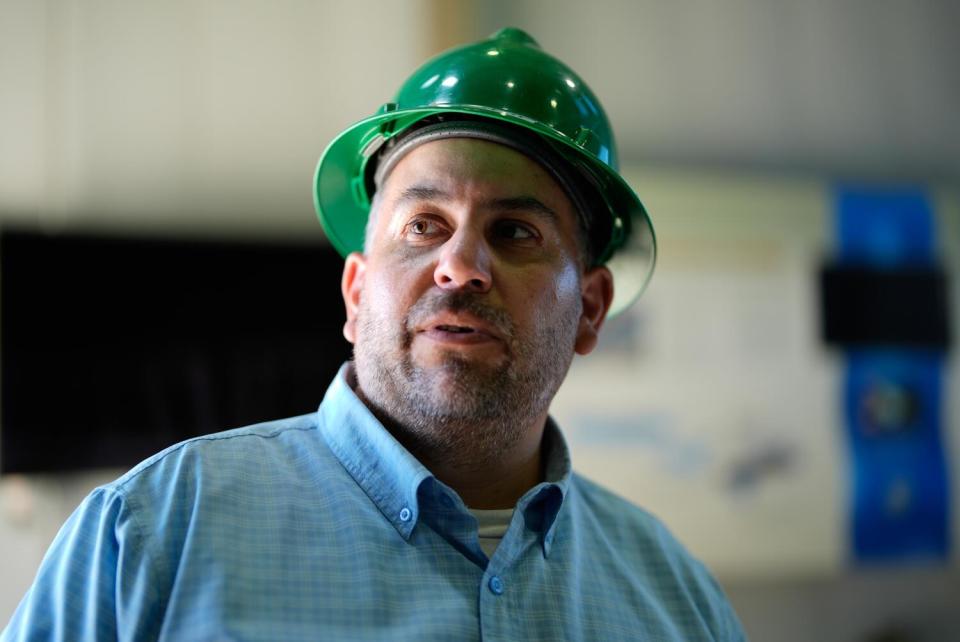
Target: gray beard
[{"x": 460, "y": 412}]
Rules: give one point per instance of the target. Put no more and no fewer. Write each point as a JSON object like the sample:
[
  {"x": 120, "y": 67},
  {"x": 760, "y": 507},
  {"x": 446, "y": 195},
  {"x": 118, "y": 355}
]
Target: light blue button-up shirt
[{"x": 323, "y": 527}]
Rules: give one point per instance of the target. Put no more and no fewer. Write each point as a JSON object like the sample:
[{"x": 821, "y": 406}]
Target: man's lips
[{"x": 459, "y": 328}]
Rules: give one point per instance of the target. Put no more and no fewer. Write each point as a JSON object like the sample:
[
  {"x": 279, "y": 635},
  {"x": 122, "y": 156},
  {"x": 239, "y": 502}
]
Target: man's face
[{"x": 470, "y": 299}]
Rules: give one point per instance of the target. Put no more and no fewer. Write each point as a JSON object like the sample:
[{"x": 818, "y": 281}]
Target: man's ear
[
  {"x": 596, "y": 292},
  {"x": 351, "y": 286}
]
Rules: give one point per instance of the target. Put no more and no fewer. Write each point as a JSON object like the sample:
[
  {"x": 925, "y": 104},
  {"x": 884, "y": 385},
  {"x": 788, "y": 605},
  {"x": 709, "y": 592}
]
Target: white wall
[
  {"x": 204, "y": 117},
  {"x": 855, "y": 87},
  {"x": 724, "y": 365}
]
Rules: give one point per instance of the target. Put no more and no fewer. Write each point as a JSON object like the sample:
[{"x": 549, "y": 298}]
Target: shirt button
[
  {"x": 405, "y": 514},
  {"x": 496, "y": 585}
]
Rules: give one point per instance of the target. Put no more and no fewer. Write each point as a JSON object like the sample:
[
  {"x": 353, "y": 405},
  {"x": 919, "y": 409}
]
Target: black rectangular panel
[
  {"x": 113, "y": 348},
  {"x": 863, "y": 306}
]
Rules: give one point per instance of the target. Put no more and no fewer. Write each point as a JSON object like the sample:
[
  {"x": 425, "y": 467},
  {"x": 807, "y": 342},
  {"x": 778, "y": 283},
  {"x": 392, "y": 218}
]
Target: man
[{"x": 431, "y": 496}]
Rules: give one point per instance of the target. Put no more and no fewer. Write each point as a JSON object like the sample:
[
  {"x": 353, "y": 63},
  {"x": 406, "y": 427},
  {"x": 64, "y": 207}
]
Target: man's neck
[
  {"x": 485, "y": 478},
  {"x": 498, "y": 483}
]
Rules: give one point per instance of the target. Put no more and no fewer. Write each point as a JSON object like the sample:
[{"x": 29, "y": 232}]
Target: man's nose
[{"x": 464, "y": 263}]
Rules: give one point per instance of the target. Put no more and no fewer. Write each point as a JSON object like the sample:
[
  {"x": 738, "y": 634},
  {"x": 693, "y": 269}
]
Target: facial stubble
[{"x": 464, "y": 412}]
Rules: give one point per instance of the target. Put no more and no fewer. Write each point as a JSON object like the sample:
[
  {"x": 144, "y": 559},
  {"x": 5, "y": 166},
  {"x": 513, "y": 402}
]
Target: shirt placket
[{"x": 499, "y": 610}]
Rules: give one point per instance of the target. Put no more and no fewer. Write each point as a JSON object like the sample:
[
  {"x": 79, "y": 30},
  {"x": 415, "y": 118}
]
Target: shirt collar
[
  {"x": 392, "y": 477},
  {"x": 384, "y": 469},
  {"x": 541, "y": 504}
]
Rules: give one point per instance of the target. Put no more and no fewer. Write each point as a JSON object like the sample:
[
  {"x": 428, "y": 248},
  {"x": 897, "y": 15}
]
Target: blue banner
[{"x": 893, "y": 395}]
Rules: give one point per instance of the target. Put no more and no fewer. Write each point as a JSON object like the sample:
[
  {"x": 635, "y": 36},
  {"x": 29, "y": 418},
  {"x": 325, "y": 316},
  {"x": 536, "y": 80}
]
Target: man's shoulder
[
  {"x": 633, "y": 531},
  {"x": 613, "y": 508},
  {"x": 643, "y": 550},
  {"x": 225, "y": 452}
]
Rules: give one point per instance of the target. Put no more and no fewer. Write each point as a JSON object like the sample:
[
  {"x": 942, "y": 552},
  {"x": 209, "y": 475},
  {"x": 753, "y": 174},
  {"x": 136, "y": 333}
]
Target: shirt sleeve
[{"x": 90, "y": 583}]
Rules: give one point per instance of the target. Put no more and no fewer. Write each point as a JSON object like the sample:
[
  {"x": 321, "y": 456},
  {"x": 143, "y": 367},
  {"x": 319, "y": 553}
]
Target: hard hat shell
[{"x": 507, "y": 78}]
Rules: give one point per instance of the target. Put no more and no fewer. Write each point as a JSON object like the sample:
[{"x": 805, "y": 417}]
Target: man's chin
[
  {"x": 457, "y": 369},
  {"x": 454, "y": 380}
]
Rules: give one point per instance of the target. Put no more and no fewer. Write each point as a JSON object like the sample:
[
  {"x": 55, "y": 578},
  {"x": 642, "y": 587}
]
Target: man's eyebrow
[
  {"x": 522, "y": 204},
  {"x": 416, "y": 193}
]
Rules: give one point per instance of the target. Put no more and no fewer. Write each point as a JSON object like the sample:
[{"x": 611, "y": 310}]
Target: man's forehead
[{"x": 462, "y": 167}]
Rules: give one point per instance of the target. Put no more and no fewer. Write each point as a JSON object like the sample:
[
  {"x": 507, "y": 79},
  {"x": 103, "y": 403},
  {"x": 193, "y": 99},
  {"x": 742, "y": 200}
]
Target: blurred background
[{"x": 784, "y": 396}]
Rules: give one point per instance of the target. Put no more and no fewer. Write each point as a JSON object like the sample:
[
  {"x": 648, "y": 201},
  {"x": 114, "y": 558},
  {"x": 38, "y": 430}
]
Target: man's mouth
[
  {"x": 461, "y": 325},
  {"x": 459, "y": 329},
  {"x": 459, "y": 322}
]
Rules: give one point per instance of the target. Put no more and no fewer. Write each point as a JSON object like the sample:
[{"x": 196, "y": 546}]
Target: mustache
[{"x": 435, "y": 302}]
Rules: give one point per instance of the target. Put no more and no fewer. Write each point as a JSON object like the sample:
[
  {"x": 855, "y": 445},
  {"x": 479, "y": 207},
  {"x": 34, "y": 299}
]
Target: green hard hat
[{"x": 508, "y": 79}]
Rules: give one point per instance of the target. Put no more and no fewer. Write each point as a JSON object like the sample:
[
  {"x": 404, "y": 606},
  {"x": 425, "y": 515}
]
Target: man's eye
[
  {"x": 514, "y": 231},
  {"x": 421, "y": 227}
]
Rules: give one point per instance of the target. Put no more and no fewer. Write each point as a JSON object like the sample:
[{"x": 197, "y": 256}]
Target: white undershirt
[{"x": 493, "y": 525}]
